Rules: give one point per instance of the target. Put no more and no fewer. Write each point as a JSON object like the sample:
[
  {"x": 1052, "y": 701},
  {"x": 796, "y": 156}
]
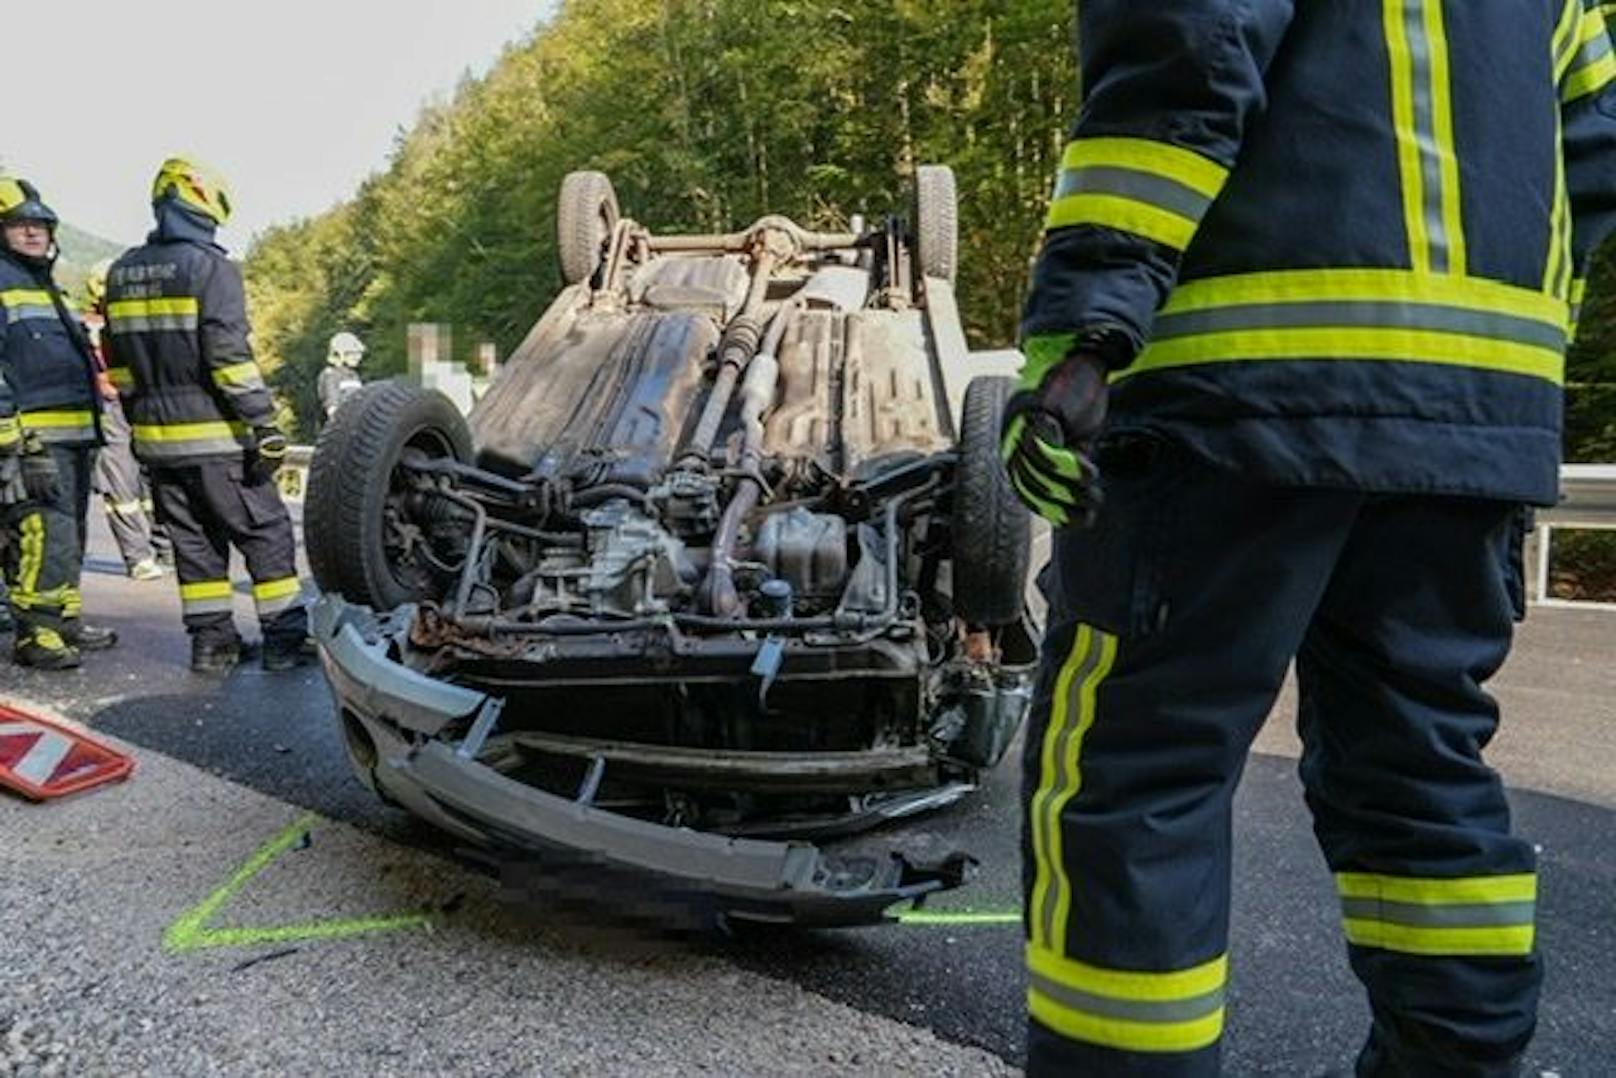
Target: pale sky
[{"x": 295, "y": 101}]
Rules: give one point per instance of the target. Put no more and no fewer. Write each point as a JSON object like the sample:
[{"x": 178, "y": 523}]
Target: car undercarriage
[{"x": 718, "y": 569}]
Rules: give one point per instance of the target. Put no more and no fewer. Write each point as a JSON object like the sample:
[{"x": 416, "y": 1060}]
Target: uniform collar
[{"x": 179, "y": 224}]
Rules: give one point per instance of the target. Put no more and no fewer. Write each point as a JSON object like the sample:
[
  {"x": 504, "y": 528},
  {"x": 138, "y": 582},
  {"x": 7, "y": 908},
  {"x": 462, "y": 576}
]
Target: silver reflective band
[
  {"x": 1159, "y": 191},
  {"x": 1457, "y": 915},
  {"x": 1131, "y": 1010},
  {"x": 154, "y": 323},
  {"x": 1419, "y": 48},
  {"x": 30, "y": 312},
  {"x": 1361, "y": 314}
]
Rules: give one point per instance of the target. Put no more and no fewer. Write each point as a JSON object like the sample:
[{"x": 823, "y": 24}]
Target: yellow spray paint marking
[
  {"x": 191, "y": 932},
  {"x": 957, "y": 917}
]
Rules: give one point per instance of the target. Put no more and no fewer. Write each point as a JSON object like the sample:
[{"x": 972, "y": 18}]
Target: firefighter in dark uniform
[
  {"x": 203, "y": 420},
  {"x": 1300, "y": 316},
  {"x": 48, "y": 365}
]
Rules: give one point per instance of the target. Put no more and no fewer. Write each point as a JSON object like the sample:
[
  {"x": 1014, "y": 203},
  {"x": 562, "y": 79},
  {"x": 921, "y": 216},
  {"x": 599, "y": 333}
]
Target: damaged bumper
[{"x": 394, "y": 720}]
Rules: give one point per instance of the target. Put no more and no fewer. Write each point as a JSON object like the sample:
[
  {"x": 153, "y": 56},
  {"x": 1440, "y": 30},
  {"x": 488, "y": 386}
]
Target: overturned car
[{"x": 722, "y": 569}]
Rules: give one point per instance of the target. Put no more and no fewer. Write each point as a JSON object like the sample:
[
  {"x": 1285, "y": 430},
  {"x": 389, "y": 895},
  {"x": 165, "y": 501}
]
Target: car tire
[
  {"x": 991, "y": 530},
  {"x": 351, "y": 479},
  {"x": 937, "y": 222},
  {"x": 586, "y": 216}
]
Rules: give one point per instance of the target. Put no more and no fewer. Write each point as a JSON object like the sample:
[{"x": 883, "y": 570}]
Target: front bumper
[{"x": 396, "y": 722}]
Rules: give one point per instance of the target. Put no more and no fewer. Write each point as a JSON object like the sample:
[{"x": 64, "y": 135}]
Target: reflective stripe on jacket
[
  {"x": 178, "y": 352},
  {"x": 45, "y": 361},
  {"x": 1345, "y": 239}
]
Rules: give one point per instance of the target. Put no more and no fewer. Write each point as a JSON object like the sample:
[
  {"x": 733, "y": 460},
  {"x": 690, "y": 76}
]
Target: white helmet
[{"x": 346, "y": 350}]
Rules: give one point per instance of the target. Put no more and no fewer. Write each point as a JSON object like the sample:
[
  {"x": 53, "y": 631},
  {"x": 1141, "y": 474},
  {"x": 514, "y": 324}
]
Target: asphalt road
[{"x": 1295, "y": 1009}]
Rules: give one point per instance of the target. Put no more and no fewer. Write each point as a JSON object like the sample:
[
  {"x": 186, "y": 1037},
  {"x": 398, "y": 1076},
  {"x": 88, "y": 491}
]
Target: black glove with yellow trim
[
  {"x": 1050, "y": 426},
  {"x": 270, "y": 455},
  {"x": 40, "y": 479}
]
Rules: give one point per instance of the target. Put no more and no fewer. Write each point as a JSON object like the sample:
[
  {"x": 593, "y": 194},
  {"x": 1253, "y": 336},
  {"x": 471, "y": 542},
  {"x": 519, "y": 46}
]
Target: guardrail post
[{"x": 1540, "y": 575}]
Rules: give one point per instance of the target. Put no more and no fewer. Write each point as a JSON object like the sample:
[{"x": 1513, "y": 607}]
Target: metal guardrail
[
  {"x": 1588, "y": 501},
  {"x": 293, "y": 478}
]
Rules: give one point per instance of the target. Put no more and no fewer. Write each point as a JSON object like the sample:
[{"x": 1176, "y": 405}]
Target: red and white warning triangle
[{"x": 41, "y": 759}]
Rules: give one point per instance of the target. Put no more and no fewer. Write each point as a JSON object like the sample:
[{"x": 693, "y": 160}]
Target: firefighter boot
[
  {"x": 215, "y": 655},
  {"x": 287, "y": 653},
  {"x": 88, "y": 637},
  {"x": 44, "y": 649}
]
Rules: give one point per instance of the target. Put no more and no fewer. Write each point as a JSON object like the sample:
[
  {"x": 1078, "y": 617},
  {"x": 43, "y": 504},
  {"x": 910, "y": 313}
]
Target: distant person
[
  {"x": 1300, "y": 315},
  {"x": 203, "y": 420},
  {"x": 340, "y": 378},
  {"x": 118, "y": 476},
  {"x": 50, "y": 375}
]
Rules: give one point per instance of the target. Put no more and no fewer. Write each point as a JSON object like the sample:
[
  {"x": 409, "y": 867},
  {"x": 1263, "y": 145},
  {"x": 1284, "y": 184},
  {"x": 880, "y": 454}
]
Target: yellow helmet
[
  {"x": 95, "y": 285},
  {"x": 20, "y": 201},
  {"x": 196, "y": 186}
]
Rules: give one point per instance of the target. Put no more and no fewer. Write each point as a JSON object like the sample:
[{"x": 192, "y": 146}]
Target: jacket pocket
[{"x": 1112, "y": 576}]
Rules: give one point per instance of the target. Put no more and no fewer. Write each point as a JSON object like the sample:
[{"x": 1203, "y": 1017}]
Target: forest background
[{"x": 707, "y": 114}]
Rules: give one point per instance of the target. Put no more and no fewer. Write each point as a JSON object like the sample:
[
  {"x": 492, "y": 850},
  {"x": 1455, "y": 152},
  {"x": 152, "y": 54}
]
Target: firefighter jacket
[
  {"x": 177, "y": 348},
  {"x": 46, "y": 364},
  {"x": 1340, "y": 243}
]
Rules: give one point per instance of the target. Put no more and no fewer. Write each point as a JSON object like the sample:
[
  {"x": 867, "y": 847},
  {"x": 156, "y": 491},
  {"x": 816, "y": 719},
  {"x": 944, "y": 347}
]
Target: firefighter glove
[
  {"x": 41, "y": 480},
  {"x": 1050, "y": 426},
  {"x": 271, "y": 452}
]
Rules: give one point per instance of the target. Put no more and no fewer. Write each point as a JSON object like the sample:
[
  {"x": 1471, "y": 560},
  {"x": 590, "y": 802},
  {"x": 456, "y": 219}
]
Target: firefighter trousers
[
  {"x": 124, "y": 495},
  {"x": 1172, "y": 624},
  {"x": 207, "y": 508},
  {"x": 44, "y": 549}
]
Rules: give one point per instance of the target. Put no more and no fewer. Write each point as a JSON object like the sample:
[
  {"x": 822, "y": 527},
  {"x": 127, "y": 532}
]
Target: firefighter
[
  {"x": 203, "y": 421},
  {"x": 50, "y": 370},
  {"x": 340, "y": 379},
  {"x": 1300, "y": 316},
  {"x": 118, "y": 477}
]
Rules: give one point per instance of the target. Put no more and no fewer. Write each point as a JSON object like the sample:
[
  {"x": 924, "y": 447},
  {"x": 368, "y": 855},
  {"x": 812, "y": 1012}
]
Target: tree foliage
[{"x": 706, "y": 114}]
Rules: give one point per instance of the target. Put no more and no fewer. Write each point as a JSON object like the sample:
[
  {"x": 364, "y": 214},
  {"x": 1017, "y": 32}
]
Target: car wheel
[
  {"x": 586, "y": 216},
  {"x": 937, "y": 222},
  {"x": 991, "y": 529},
  {"x": 357, "y": 491}
]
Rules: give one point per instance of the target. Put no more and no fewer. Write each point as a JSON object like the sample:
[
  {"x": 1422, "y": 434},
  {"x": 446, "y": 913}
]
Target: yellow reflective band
[
  {"x": 57, "y": 420},
  {"x": 147, "y": 308},
  {"x": 1149, "y": 188},
  {"x": 207, "y": 589},
  {"x": 1176, "y": 1011},
  {"x": 1408, "y": 145},
  {"x": 239, "y": 374},
  {"x": 25, "y": 297},
  {"x": 1424, "y": 940},
  {"x": 31, "y": 558},
  {"x": 189, "y": 432},
  {"x": 1348, "y": 344},
  {"x": 1566, "y": 36},
  {"x": 1130, "y": 984},
  {"x": 1591, "y": 64},
  {"x": 1579, "y": 290},
  {"x": 1200, "y": 174},
  {"x": 1462, "y": 890},
  {"x": 1125, "y": 215},
  {"x": 1590, "y": 79},
  {"x": 1072, "y": 712},
  {"x": 10, "y": 430},
  {"x": 276, "y": 589},
  {"x": 1411, "y": 333}
]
